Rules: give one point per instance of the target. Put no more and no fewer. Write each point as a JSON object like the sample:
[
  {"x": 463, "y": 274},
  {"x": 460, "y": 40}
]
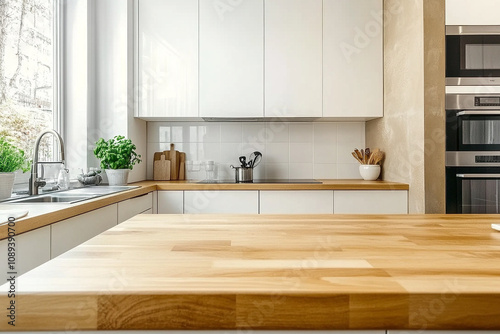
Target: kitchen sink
[
  {"x": 55, "y": 198},
  {"x": 73, "y": 195}
]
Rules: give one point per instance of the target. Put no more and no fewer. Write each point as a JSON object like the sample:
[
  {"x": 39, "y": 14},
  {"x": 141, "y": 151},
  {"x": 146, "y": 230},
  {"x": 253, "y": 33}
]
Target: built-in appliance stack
[{"x": 473, "y": 119}]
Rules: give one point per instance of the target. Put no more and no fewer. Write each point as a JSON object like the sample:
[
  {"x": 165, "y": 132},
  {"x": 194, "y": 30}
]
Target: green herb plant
[
  {"x": 12, "y": 158},
  {"x": 116, "y": 153}
]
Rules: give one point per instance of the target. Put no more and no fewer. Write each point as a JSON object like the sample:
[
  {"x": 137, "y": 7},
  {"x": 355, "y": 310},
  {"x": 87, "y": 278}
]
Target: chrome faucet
[{"x": 36, "y": 182}]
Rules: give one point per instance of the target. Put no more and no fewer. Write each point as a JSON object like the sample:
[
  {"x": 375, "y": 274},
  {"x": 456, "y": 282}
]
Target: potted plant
[
  {"x": 11, "y": 160},
  {"x": 117, "y": 157}
]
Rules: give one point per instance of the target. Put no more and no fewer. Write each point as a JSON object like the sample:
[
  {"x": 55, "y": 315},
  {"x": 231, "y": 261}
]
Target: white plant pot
[
  {"x": 6, "y": 185},
  {"x": 369, "y": 172},
  {"x": 117, "y": 177}
]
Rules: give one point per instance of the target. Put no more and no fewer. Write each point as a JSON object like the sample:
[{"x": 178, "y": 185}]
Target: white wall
[
  {"x": 290, "y": 150},
  {"x": 99, "y": 52}
]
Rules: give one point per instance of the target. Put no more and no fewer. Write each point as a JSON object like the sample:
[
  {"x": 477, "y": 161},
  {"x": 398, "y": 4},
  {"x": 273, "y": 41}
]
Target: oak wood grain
[{"x": 275, "y": 272}]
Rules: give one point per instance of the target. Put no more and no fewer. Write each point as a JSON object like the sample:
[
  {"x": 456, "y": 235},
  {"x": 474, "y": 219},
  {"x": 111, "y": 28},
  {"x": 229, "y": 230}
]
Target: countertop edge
[{"x": 30, "y": 223}]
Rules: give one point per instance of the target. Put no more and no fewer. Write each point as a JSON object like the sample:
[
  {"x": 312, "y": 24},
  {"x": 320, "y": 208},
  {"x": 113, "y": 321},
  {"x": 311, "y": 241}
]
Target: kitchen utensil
[
  {"x": 243, "y": 174},
  {"x": 161, "y": 169},
  {"x": 254, "y": 159},
  {"x": 243, "y": 161},
  {"x": 367, "y": 155},
  {"x": 356, "y": 157}
]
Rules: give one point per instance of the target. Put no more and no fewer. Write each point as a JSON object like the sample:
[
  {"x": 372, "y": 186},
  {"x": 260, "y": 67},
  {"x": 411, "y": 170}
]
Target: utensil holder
[{"x": 369, "y": 172}]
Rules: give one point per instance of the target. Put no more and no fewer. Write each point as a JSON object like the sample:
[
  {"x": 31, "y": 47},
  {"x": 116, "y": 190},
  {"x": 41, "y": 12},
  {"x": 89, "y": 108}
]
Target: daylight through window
[{"x": 27, "y": 71}]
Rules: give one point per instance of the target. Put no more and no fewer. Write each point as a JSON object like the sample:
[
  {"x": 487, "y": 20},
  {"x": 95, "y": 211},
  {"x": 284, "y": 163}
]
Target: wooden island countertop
[{"x": 271, "y": 272}]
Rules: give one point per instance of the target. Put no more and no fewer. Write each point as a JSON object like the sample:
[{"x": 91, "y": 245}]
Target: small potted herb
[
  {"x": 11, "y": 159},
  {"x": 117, "y": 157}
]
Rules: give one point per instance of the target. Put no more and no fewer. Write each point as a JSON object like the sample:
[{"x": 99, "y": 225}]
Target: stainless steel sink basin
[
  {"x": 54, "y": 198},
  {"x": 73, "y": 195}
]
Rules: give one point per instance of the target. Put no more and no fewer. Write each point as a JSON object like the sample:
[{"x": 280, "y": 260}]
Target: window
[{"x": 28, "y": 66}]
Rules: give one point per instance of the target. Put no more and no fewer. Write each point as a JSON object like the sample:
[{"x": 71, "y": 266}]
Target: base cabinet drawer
[
  {"x": 134, "y": 206},
  {"x": 296, "y": 202},
  {"x": 74, "y": 231},
  {"x": 370, "y": 201},
  {"x": 32, "y": 249},
  {"x": 218, "y": 201}
]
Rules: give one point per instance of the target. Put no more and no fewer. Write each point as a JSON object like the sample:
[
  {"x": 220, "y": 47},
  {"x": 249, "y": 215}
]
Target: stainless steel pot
[{"x": 243, "y": 174}]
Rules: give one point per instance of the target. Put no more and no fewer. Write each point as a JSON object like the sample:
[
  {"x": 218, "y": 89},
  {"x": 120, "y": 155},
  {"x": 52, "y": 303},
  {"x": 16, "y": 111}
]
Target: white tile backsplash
[
  {"x": 290, "y": 149},
  {"x": 301, "y": 132}
]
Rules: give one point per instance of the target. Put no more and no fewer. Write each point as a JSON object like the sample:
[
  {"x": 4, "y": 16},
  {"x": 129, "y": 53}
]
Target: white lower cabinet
[
  {"x": 221, "y": 201},
  {"x": 134, "y": 206},
  {"x": 31, "y": 250},
  {"x": 171, "y": 202},
  {"x": 296, "y": 201},
  {"x": 370, "y": 201},
  {"x": 71, "y": 232},
  {"x": 283, "y": 201}
]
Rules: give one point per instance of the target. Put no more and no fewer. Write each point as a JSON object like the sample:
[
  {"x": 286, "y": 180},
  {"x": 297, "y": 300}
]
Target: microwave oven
[{"x": 472, "y": 55}]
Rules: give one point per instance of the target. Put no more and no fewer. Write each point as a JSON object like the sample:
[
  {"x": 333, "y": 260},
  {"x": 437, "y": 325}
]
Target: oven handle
[
  {"x": 478, "y": 176},
  {"x": 477, "y": 112}
]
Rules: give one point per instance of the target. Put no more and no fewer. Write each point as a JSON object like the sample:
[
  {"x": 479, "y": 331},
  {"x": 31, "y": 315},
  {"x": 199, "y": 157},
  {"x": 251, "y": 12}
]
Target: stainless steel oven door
[
  {"x": 473, "y": 122},
  {"x": 473, "y": 190}
]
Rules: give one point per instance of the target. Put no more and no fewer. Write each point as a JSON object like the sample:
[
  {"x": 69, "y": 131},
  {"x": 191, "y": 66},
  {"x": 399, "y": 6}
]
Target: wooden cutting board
[
  {"x": 176, "y": 162},
  {"x": 161, "y": 168}
]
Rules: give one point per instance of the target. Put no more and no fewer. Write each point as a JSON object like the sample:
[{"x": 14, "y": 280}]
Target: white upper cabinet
[
  {"x": 293, "y": 58},
  {"x": 477, "y": 12},
  {"x": 353, "y": 58},
  {"x": 168, "y": 58},
  {"x": 231, "y": 58}
]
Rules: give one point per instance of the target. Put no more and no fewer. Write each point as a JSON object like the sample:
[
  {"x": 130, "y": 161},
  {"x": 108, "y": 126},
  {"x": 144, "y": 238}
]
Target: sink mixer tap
[{"x": 35, "y": 181}]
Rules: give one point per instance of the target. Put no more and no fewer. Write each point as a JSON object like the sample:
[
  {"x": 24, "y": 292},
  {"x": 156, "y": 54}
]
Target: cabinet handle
[
  {"x": 478, "y": 113},
  {"x": 478, "y": 176}
]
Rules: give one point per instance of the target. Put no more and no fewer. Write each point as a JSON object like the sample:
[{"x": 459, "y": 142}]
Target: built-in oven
[
  {"x": 472, "y": 55},
  {"x": 473, "y": 153}
]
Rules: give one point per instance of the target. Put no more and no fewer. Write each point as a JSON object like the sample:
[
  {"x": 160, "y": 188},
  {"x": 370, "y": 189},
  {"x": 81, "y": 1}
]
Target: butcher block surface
[{"x": 271, "y": 272}]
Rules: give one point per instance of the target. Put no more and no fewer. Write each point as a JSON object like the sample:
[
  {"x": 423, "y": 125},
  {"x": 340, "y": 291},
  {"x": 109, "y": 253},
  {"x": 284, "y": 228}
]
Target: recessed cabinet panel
[
  {"x": 31, "y": 250},
  {"x": 370, "y": 201},
  {"x": 292, "y": 202},
  {"x": 168, "y": 58},
  {"x": 231, "y": 58},
  {"x": 352, "y": 58},
  {"x": 221, "y": 201},
  {"x": 293, "y": 58}
]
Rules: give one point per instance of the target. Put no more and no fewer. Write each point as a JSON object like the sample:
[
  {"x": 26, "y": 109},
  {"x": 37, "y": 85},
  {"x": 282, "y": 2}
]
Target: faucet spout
[{"x": 35, "y": 182}]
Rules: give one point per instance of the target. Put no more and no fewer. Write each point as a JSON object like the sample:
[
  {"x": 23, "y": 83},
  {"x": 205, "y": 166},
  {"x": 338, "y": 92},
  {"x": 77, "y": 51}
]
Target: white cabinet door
[
  {"x": 31, "y": 250},
  {"x": 226, "y": 201},
  {"x": 231, "y": 58},
  {"x": 370, "y": 201},
  {"x": 134, "y": 206},
  {"x": 168, "y": 58},
  {"x": 353, "y": 58},
  {"x": 293, "y": 58},
  {"x": 300, "y": 201},
  {"x": 171, "y": 202},
  {"x": 73, "y": 231},
  {"x": 477, "y": 12}
]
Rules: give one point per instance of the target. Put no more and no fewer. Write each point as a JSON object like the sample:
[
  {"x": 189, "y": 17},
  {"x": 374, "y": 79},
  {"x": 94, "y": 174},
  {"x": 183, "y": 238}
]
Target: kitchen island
[{"x": 270, "y": 272}]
